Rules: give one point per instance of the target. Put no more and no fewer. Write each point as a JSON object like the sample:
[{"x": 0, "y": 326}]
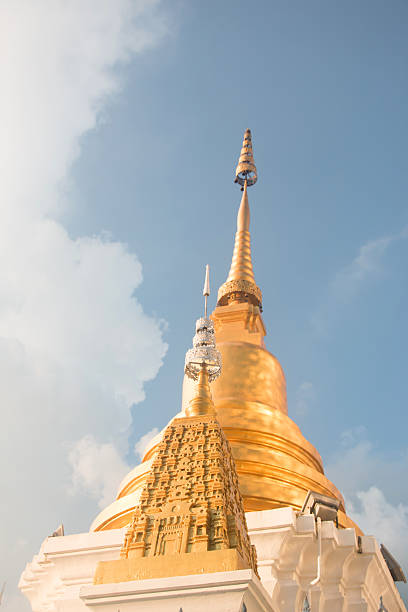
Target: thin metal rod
[{"x": 206, "y": 290}]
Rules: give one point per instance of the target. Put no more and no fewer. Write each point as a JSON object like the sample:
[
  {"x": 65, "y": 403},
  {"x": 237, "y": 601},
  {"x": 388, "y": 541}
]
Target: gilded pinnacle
[
  {"x": 241, "y": 266},
  {"x": 240, "y": 284},
  {"x": 202, "y": 403}
]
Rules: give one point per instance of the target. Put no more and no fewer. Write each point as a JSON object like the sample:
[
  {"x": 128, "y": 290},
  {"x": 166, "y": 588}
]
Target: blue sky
[
  {"x": 149, "y": 163},
  {"x": 323, "y": 89}
]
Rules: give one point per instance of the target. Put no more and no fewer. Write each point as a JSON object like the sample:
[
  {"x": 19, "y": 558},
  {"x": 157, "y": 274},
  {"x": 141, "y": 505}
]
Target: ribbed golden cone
[
  {"x": 202, "y": 403},
  {"x": 241, "y": 266},
  {"x": 240, "y": 284}
]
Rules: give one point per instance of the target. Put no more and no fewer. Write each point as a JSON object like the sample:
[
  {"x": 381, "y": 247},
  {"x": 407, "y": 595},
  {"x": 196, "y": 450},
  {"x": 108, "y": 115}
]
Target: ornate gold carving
[
  {"x": 190, "y": 501},
  {"x": 190, "y": 504},
  {"x": 240, "y": 289}
]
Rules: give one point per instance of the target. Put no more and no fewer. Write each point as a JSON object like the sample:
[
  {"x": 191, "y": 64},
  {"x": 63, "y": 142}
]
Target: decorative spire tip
[
  {"x": 246, "y": 170},
  {"x": 240, "y": 285}
]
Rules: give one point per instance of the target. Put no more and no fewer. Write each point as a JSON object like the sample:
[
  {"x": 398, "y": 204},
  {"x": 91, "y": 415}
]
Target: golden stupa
[{"x": 276, "y": 465}]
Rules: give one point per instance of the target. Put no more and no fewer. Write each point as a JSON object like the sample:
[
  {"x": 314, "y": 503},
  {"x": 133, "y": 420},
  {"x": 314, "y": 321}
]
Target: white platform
[
  {"x": 218, "y": 592},
  {"x": 354, "y": 573}
]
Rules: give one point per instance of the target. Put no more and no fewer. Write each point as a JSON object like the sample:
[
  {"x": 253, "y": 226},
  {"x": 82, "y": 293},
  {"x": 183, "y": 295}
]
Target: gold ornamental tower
[
  {"x": 276, "y": 465},
  {"x": 190, "y": 517}
]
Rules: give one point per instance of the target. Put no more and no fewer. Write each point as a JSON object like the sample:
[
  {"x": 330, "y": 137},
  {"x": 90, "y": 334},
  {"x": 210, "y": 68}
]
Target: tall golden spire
[{"x": 240, "y": 284}]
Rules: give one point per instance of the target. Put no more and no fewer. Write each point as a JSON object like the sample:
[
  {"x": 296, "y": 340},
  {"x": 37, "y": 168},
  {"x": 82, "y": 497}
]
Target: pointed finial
[
  {"x": 240, "y": 284},
  {"x": 202, "y": 402},
  {"x": 206, "y": 290},
  {"x": 246, "y": 170}
]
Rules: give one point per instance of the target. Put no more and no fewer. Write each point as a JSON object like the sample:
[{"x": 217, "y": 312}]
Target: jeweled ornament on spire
[
  {"x": 240, "y": 285},
  {"x": 204, "y": 351}
]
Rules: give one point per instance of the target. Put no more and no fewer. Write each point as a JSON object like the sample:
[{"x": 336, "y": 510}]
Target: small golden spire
[
  {"x": 240, "y": 284},
  {"x": 202, "y": 403},
  {"x": 241, "y": 266}
]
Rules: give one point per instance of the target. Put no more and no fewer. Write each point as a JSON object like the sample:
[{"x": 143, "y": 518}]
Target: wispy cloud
[
  {"x": 376, "y": 515},
  {"x": 76, "y": 346},
  {"x": 373, "y": 485},
  {"x": 368, "y": 265}
]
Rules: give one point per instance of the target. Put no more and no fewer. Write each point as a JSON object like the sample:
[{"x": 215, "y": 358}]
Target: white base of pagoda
[
  {"x": 218, "y": 592},
  {"x": 354, "y": 574}
]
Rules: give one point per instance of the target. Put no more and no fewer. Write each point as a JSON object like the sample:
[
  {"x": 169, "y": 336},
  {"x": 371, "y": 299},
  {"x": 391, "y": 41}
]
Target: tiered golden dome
[{"x": 276, "y": 465}]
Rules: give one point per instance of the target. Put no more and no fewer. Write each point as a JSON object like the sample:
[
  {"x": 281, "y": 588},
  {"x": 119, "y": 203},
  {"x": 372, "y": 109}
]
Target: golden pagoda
[
  {"x": 230, "y": 507},
  {"x": 276, "y": 465}
]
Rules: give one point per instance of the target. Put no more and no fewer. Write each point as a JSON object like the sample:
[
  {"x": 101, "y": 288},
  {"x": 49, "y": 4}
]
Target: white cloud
[
  {"x": 373, "y": 484},
  {"x": 367, "y": 264},
  {"x": 144, "y": 441},
  {"x": 387, "y": 522},
  {"x": 75, "y": 345},
  {"x": 97, "y": 469}
]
